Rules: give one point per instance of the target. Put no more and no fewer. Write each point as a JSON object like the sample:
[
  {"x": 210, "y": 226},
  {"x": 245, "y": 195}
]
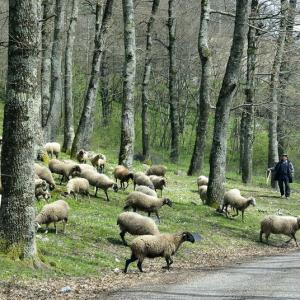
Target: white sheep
[
  {"x": 135, "y": 224},
  {"x": 141, "y": 178},
  {"x": 157, "y": 170},
  {"x": 99, "y": 161},
  {"x": 82, "y": 156},
  {"x": 44, "y": 173},
  {"x": 286, "y": 225},
  {"x": 77, "y": 186},
  {"x": 203, "y": 193},
  {"x": 161, "y": 245},
  {"x": 65, "y": 168},
  {"x": 202, "y": 180},
  {"x": 52, "y": 148},
  {"x": 146, "y": 190},
  {"x": 159, "y": 182}
]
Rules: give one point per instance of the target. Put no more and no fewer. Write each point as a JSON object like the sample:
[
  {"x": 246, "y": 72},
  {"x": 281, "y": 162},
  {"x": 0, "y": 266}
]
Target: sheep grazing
[
  {"x": 203, "y": 193},
  {"x": 99, "y": 161},
  {"x": 135, "y": 224},
  {"x": 53, "y": 213},
  {"x": 157, "y": 170},
  {"x": 141, "y": 178},
  {"x": 82, "y": 156},
  {"x": 143, "y": 202},
  {"x": 77, "y": 186},
  {"x": 100, "y": 181},
  {"x": 44, "y": 173},
  {"x": 123, "y": 174},
  {"x": 52, "y": 149},
  {"x": 146, "y": 190},
  {"x": 161, "y": 245},
  {"x": 41, "y": 189},
  {"x": 236, "y": 201},
  {"x": 202, "y": 180},
  {"x": 158, "y": 182},
  {"x": 64, "y": 168},
  {"x": 286, "y": 225}
]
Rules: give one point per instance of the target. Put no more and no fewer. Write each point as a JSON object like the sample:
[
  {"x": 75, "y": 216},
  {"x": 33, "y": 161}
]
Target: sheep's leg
[
  {"x": 139, "y": 265},
  {"x": 149, "y": 213},
  {"x": 61, "y": 180},
  {"x": 267, "y": 237},
  {"x": 294, "y": 237},
  {"x": 157, "y": 216},
  {"x": 129, "y": 261},
  {"x": 55, "y": 227},
  {"x": 64, "y": 226},
  {"x": 96, "y": 192},
  {"x": 169, "y": 261},
  {"x": 134, "y": 209},
  {"x": 107, "y": 199},
  {"x": 242, "y": 215},
  {"x": 161, "y": 193},
  {"x": 122, "y": 235},
  {"x": 126, "y": 186},
  {"x": 237, "y": 213},
  {"x": 260, "y": 236},
  {"x": 134, "y": 184}
]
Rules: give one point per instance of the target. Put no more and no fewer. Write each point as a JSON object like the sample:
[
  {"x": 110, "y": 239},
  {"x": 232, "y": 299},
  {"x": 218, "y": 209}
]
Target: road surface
[{"x": 276, "y": 277}]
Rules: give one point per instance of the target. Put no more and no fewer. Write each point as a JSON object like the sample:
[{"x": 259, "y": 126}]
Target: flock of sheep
[{"x": 80, "y": 176}]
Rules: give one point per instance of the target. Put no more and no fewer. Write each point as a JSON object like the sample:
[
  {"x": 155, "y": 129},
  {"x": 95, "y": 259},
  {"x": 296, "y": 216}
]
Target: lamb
[
  {"x": 203, "y": 193},
  {"x": 40, "y": 183},
  {"x": 135, "y": 224},
  {"x": 286, "y": 225},
  {"x": 158, "y": 182},
  {"x": 202, "y": 180},
  {"x": 44, "y": 173},
  {"x": 145, "y": 190},
  {"x": 157, "y": 170},
  {"x": 78, "y": 186},
  {"x": 123, "y": 174},
  {"x": 235, "y": 200},
  {"x": 141, "y": 178},
  {"x": 53, "y": 213},
  {"x": 161, "y": 245},
  {"x": 99, "y": 161},
  {"x": 52, "y": 149},
  {"x": 82, "y": 156},
  {"x": 100, "y": 181},
  {"x": 40, "y": 192},
  {"x": 64, "y": 168},
  {"x": 143, "y": 202}
]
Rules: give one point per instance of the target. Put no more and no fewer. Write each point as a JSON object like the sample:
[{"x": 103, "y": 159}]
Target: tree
[
  {"x": 83, "y": 131},
  {"x": 218, "y": 152},
  {"x": 69, "y": 127},
  {"x": 17, "y": 210},
  {"x": 127, "y": 122},
  {"x": 196, "y": 164}
]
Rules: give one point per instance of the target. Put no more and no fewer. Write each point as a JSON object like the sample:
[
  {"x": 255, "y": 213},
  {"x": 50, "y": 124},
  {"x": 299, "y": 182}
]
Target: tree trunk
[
  {"x": 47, "y": 27},
  {"x": 127, "y": 123},
  {"x": 146, "y": 79},
  {"x": 69, "y": 127},
  {"x": 247, "y": 123},
  {"x": 196, "y": 164},
  {"x": 17, "y": 212},
  {"x": 56, "y": 80},
  {"x": 274, "y": 86},
  {"x": 215, "y": 190},
  {"x": 84, "y": 130},
  {"x": 173, "y": 98}
]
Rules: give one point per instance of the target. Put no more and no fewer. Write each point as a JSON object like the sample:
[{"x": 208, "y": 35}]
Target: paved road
[{"x": 276, "y": 277}]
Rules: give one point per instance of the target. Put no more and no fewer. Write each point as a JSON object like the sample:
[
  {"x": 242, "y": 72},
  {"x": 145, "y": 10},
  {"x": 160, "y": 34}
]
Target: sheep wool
[
  {"x": 77, "y": 186},
  {"x": 64, "y": 168},
  {"x": 141, "y": 178},
  {"x": 123, "y": 174},
  {"x": 82, "y": 156},
  {"x": 202, "y": 180},
  {"x": 52, "y": 148},
  {"x": 44, "y": 173},
  {"x": 159, "y": 182},
  {"x": 157, "y": 170},
  {"x": 203, "y": 193},
  {"x": 146, "y": 190}
]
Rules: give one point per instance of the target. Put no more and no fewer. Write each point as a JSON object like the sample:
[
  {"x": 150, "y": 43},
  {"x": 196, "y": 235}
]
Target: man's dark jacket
[{"x": 281, "y": 171}]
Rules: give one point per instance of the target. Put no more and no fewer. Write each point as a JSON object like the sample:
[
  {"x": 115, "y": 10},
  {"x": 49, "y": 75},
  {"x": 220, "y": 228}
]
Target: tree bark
[
  {"x": 17, "y": 210},
  {"x": 196, "y": 164},
  {"x": 274, "y": 87},
  {"x": 127, "y": 122},
  {"x": 146, "y": 79},
  {"x": 215, "y": 190},
  {"x": 54, "y": 114},
  {"x": 173, "y": 98},
  {"x": 247, "y": 123},
  {"x": 84, "y": 131},
  {"x": 68, "y": 103}
]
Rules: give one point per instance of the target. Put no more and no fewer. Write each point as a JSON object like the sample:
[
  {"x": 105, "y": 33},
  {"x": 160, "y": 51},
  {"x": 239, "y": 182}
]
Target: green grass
[{"x": 92, "y": 245}]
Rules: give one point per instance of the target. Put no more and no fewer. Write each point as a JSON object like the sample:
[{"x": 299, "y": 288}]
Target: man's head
[{"x": 284, "y": 156}]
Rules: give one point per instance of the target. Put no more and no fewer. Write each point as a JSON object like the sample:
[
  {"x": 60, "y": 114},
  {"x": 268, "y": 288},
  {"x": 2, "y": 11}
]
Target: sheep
[
  {"x": 161, "y": 245},
  {"x": 203, "y": 193},
  {"x": 52, "y": 149},
  {"x": 82, "y": 156},
  {"x": 158, "y": 182},
  {"x": 135, "y": 224},
  {"x": 123, "y": 174},
  {"x": 64, "y": 168},
  {"x": 100, "y": 181},
  {"x": 141, "y": 178},
  {"x": 44, "y": 173},
  {"x": 202, "y": 180},
  {"x": 40, "y": 192},
  {"x": 146, "y": 190},
  {"x": 99, "y": 161},
  {"x": 53, "y": 213},
  {"x": 286, "y": 225},
  {"x": 77, "y": 186},
  {"x": 40, "y": 183},
  {"x": 157, "y": 170},
  {"x": 84, "y": 167},
  {"x": 143, "y": 202},
  {"x": 236, "y": 201}
]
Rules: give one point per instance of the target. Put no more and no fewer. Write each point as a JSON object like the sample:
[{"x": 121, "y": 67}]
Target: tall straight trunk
[
  {"x": 218, "y": 152},
  {"x": 104, "y": 78},
  {"x": 17, "y": 212},
  {"x": 173, "y": 98},
  {"x": 84, "y": 131},
  {"x": 274, "y": 89},
  {"x": 247, "y": 123},
  {"x": 69, "y": 127},
  {"x": 47, "y": 27},
  {"x": 196, "y": 164},
  {"x": 56, "y": 80},
  {"x": 127, "y": 122},
  {"x": 146, "y": 79}
]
